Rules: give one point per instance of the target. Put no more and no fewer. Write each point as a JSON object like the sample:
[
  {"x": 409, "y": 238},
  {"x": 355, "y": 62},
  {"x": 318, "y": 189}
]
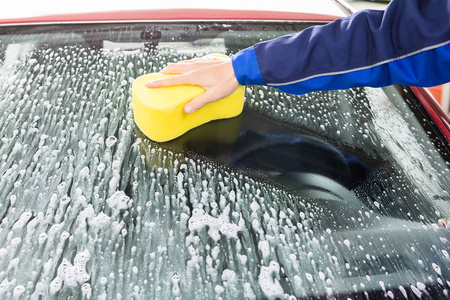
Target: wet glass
[{"x": 338, "y": 193}]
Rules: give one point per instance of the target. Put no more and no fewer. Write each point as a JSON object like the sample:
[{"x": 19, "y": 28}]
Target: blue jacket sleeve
[{"x": 408, "y": 43}]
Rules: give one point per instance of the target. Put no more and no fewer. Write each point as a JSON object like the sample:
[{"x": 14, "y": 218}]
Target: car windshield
[{"x": 337, "y": 193}]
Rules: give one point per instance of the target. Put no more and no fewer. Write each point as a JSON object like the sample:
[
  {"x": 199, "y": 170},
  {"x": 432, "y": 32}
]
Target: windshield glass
[{"x": 329, "y": 193}]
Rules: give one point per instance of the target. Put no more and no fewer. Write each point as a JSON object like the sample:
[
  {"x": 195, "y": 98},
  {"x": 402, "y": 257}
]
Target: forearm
[{"x": 406, "y": 44}]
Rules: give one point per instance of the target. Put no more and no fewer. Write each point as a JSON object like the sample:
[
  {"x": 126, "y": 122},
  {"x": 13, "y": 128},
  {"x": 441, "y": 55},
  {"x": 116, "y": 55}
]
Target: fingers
[
  {"x": 169, "y": 81},
  {"x": 210, "y": 95},
  {"x": 193, "y": 105},
  {"x": 215, "y": 75},
  {"x": 197, "y": 103},
  {"x": 190, "y": 60},
  {"x": 179, "y": 68},
  {"x": 182, "y": 66}
]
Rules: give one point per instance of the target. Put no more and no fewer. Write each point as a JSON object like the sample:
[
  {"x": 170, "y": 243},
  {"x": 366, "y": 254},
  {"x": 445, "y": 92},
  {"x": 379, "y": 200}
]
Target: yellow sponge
[{"x": 159, "y": 112}]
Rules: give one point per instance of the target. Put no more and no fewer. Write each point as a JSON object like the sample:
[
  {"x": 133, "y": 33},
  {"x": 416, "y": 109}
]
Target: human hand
[{"x": 214, "y": 74}]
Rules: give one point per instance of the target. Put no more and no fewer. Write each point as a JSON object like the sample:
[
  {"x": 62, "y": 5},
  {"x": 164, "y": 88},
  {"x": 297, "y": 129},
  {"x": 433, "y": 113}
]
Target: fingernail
[
  {"x": 188, "y": 109},
  {"x": 149, "y": 84}
]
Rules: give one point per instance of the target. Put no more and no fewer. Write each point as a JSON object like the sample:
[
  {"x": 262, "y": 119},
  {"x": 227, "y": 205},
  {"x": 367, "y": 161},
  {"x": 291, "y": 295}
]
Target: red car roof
[{"x": 171, "y": 14}]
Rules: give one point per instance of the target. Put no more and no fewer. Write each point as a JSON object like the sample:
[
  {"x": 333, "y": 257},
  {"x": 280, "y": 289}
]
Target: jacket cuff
[{"x": 246, "y": 68}]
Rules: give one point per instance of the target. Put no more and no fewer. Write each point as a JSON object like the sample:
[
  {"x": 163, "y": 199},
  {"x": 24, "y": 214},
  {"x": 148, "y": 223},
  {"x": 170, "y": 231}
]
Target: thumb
[{"x": 197, "y": 103}]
